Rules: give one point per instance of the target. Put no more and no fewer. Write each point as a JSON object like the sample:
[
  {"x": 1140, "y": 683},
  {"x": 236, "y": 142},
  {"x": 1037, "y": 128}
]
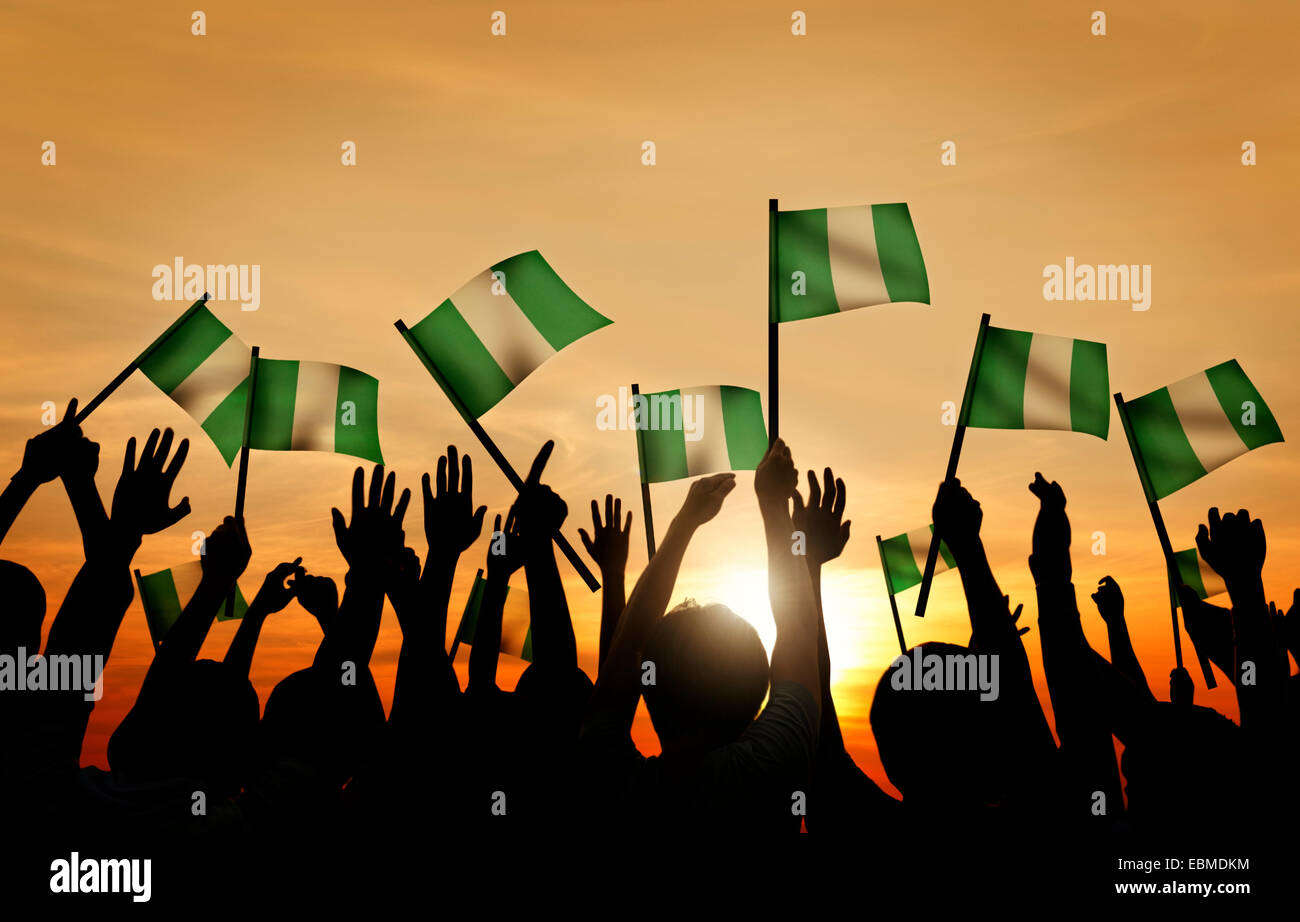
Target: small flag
[
  {"x": 1198, "y": 574},
  {"x": 314, "y": 406},
  {"x": 516, "y": 620},
  {"x": 166, "y": 593},
  {"x": 904, "y": 558},
  {"x": 840, "y": 259},
  {"x": 1032, "y": 381},
  {"x": 492, "y": 333},
  {"x": 699, "y": 430},
  {"x": 1182, "y": 432},
  {"x": 204, "y": 368}
]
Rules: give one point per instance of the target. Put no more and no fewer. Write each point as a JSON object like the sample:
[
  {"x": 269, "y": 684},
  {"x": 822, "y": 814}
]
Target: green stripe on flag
[
  {"x": 273, "y": 403},
  {"x": 1089, "y": 389},
  {"x": 663, "y": 450},
  {"x": 356, "y": 428},
  {"x": 161, "y": 605},
  {"x": 1164, "y": 451},
  {"x": 1189, "y": 570},
  {"x": 801, "y": 241},
  {"x": 225, "y": 424},
  {"x": 998, "y": 401},
  {"x": 900, "y": 253},
  {"x": 945, "y": 554},
  {"x": 1233, "y": 389},
  {"x": 184, "y": 350},
  {"x": 900, "y": 564},
  {"x": 548, "y": 303},
  {"x": 462, "y": 360},
  {"x": 742, "y": 415}
]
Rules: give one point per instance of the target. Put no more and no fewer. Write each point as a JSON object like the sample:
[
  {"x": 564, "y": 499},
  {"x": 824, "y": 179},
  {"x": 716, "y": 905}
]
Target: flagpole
[
  {"x": 127, "y": 371},
  {"x": 495, "y": 453},
  {"x": 1166, "y": 547},
  {"x": 932, "y": 555},
  {"x": 889, "y": 589},
  {"x": 241, "y": 485},
  {"x": 646, "y": 509},
  {"x": 773, "y": 328}
]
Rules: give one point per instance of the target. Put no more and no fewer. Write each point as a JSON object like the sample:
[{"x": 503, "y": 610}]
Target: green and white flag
[
  {"x": 1198, "y": 574},
  {"x": 698, "y": 430},
  {"x": 315, "y": 406},
  {"x": 204, "y": 368},
  {"x": 1182, "y": 432},
  {"x": 839, "y": 259},
  {"x": 516, "y": 620},
  {"x": 492, "y": 333},
  {"x": 904, "y": 558},
  {"x": 166, "y": 593},
  {"x": 1033, "y": 381}
]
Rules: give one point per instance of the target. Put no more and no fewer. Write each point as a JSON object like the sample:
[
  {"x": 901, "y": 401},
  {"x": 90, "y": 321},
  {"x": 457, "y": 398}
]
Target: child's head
[
  {"x": 710, "y": 675},
  {"x": 24, "y": 609}
]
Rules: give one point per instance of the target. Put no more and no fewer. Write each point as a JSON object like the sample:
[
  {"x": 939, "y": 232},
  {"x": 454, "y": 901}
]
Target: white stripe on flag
[
  {"x": 503, "y": 329},
  {"x": 1047, "y": 382},
  {"x": 1208, "y": 430},
  {"x": 1212, "y": 581},
  {"x": 209, "y": 384},
  {"x": 186, "y": 580},
  {"x": 919, "y": 542},
  {"x": 855, "y": 264},
  {"x": 708, "y": 453},
  {"x": 315, "y": 407}
]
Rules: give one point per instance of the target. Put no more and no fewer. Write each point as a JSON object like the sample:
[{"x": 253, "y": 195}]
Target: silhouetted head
[
  {"x": 204, "y": 727},
  {"x": 710, "y": 675},
  {"x": 941, "y": 747},
  {"x": 314, "y": 718},
  {"x": 553, "y": 701},
  {"x": 24, "y": 608}
]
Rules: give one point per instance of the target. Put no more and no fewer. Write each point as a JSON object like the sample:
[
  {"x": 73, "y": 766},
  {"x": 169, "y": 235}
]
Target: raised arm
[
  {"x": 45, "y": 458},
  {"x": 505, "y": 556},
  {"x": 539, "y": 513},
  {"x": 451, "y": 525},
  {"x": 1109, "y": 599},
  {"x": 272, "y": 597},
  {"x": 608, "y": 545}
]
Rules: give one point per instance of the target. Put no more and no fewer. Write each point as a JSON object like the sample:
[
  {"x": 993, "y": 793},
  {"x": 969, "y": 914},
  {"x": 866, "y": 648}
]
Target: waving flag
[
  {"x": 1033, "y": 381},
  {"x": 839, "y": 259},
  {"x": 1197, "y": 574},
  {"x": 1182, "y": 432},
  {"x": 314, "y": 406},
  {"x": 505, "y": 322},
  {"x": 699, "y": 430},
  {"x": 165, "y": 594},
  {"x": 516, "y": 620},
  {"x": 903, "y": 558}
]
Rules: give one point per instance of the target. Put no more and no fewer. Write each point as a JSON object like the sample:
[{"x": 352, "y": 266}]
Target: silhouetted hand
[
  {"x": 704, "y": 498},
  {"x": 274, "y": 595},
  {"x": 820, "y": 519},
  {"x": 402, "y": 583},
  {"x": 957, "y": 516},
  {"x": 538, "y": 511},
  {"x": 226, "y": 553},
  {"x": 506, "y": 552},
  {"x": 375, "y": 535},
  {"x": 1233, "y": 545},
  {"x": 609, "y": 546},
  {"x": 141, "y": 500},
  {"x": 1109, "y": 600},
  {"x": 1015, "y": 615},
  {"x": 319, "y": 595},
  {"x": 451, "y": 523},
  {"x": 775, "y": 480},
  {"x": 47, "y": 454},
  {"x": 1050, "y": 560},
  {"x": 1181, "y": 688},
  {"x": 82, "y": 460}
]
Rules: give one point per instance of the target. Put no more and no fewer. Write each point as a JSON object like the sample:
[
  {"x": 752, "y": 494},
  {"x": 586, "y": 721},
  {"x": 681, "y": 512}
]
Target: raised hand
[
  {"x": 957, "y": 516},
  {"x": 609, "y": 546},
  {"x": 226, "y": 553},
  {"x": 141, "y": 502},
  {"x": 776, "y": 478},
  {"x": 1109, "y": 600},
  {"x": 1233, "y": 545},
  {"x": 820, "y": 519},
  {"x": 47, "y": 455},
  {"x": 1050, "y": 560},
  {"x": 318, "y": 594},
  {"x": 374, "y": 536},
  {"x": 1181, "y": 688},
  {"x": 539, "y": 512},
  {"x": 451, "y": 523},
  {"x": 704, "y": 498},
  {"x": 274, "y": 594}
]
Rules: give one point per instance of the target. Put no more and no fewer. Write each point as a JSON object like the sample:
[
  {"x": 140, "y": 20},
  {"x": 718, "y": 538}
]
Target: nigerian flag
[
  {"x": 839, "y": 259},
  {"x": 314, "y": 406},
  {"x": 516, "y": 620},
  {"x": 1033, "y": 381},
  {"x": 1180, "y": 433},
  {"x": 501, "y": 325},
  {"x": 698, "y": 430},
  {"x": 903, "y": 558},
  {"x": 1197, "y": 574},
  {"x": 166, "y": 593},
  {"x": 201, "y": 365}
]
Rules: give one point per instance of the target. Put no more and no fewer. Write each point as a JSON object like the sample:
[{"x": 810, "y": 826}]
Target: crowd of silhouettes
[{"x": 749, "y": 744}]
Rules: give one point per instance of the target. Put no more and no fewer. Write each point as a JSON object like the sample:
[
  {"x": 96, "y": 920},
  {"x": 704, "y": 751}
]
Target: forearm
[
  {"x": 435, "y": 593},
  {"x": 88, "y": 508},
  {"x": 984, "y": 600},
  {"x": 16, "y": 493},
  {"x": 554, "y": 644},
  {"x": 613, "y": 599},
  {"x": 1123, "y": 657},
  {"x": 239, "y": 655},
  {"x": 795, "y": 652},
  {"x": 360, "y": 612},
  {"x": 485, "y": 646},
  {"x": 830, "y": 738}
]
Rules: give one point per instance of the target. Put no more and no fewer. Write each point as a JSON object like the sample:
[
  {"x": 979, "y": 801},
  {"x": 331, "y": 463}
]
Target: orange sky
[{"x": 225, "y": 148}]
